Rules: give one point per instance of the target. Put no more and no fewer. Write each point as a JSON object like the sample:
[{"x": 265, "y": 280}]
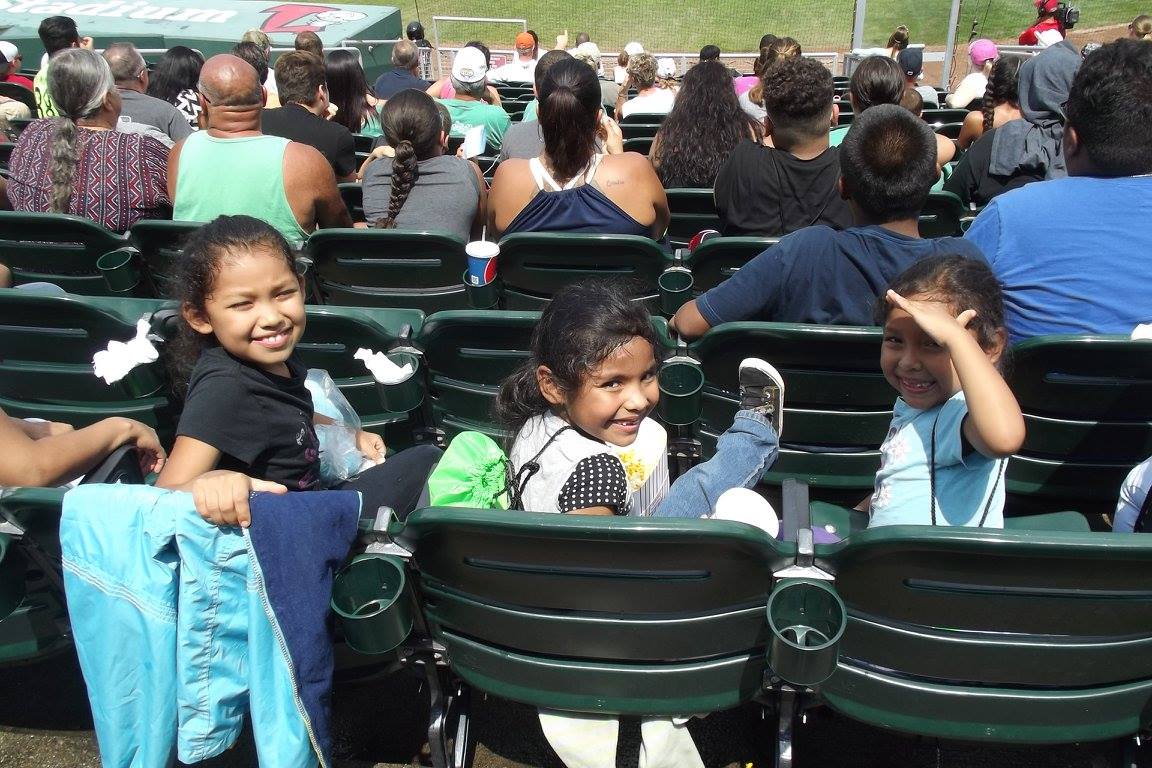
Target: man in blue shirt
[
  {"x": 405, "y": 72},
  {"x": 829, "y": 277},
  {"x": 1073, "y": 253}
]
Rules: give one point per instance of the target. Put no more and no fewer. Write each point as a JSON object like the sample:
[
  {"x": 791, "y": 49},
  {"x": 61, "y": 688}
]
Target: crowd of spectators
[{"x": 1055, "y": 155}]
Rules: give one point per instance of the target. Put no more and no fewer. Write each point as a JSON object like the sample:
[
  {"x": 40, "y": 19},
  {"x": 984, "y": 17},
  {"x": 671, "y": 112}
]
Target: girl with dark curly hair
[{"x": 702, "y": 129}]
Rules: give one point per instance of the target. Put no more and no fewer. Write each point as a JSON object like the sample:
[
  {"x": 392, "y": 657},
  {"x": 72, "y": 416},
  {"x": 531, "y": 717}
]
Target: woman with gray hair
[{"x": 79, "y": 163}]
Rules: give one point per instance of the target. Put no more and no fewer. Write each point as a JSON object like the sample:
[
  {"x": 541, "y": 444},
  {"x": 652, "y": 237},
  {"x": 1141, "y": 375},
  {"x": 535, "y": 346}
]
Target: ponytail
[
  {"x": 78, "y": 81},
  {"x": 405, "y": 172},
  {"x": 569, "y": 105},
  {"x": 412, "y": 125},
  {"x": 63, "y": 164}
]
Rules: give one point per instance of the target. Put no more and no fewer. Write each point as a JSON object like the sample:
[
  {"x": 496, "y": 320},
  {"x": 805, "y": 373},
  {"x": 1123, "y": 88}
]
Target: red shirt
[
  {"x": 1028, "y": 36},
  {"x": 19, "y": 80}
]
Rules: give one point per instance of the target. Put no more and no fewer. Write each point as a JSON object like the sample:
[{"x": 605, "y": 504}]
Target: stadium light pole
[
  {"x": 950, "y": 47},
  {"x": 858, "y": 24}
]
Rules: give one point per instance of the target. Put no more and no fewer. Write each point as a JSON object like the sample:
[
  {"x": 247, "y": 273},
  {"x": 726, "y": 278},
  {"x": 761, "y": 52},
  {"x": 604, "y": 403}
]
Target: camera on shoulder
[{"x": 1067, "y": 15}]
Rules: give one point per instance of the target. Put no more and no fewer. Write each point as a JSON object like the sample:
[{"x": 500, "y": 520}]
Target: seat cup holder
[
  {"x": 370, "y": 597},
  {"x": 681, "y": 392},
  {"x": 405, "y": 395},
  {"x": 807, "y": 619}
]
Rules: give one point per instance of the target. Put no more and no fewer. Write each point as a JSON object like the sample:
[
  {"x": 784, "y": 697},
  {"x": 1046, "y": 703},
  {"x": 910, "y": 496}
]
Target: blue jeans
[{"x": 743, "y": 452}]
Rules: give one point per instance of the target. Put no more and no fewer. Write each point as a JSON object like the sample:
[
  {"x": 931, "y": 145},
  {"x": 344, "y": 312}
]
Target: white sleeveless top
[{"x": 545, "y": 182}]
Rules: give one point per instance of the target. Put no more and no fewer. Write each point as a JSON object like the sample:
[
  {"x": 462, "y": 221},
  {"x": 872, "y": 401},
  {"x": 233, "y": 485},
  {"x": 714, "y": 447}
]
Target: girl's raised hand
[
  {"x": 371, "y": 445},
  {"x": 934, "y": 318}
]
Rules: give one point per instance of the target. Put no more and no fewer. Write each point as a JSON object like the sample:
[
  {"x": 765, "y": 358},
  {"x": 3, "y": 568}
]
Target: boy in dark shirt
[
  {"x": 788, "y": 182},
  {"x": 819, "y": 275}
]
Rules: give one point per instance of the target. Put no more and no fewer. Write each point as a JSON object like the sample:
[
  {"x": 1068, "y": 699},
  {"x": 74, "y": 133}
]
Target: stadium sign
[{"x": 210, "y": 26}]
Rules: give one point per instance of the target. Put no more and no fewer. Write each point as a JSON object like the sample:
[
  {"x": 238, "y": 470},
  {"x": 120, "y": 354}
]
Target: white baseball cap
[
  {"x": 665, "y": 68},
  {"x": 633, "y": 48},
  {"x": 10, "y": 51},
  {"x": 469, "y": 66}
]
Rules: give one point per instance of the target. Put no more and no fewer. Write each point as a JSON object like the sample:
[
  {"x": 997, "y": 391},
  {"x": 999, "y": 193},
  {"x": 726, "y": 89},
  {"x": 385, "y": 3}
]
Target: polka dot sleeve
[{"x": 597, "y": 481}]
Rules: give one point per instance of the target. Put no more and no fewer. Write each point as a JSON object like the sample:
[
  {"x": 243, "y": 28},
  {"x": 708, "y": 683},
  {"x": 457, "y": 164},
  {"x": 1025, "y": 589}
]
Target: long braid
[
  {"x": 988, "y": 106},
  {"x": 405, "y": 172},
  {"x": 63, "y": 163}
]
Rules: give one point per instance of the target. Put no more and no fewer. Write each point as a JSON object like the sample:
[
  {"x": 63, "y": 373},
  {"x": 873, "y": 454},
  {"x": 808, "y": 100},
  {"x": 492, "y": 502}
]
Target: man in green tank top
[{"x": 232, "y": 168}]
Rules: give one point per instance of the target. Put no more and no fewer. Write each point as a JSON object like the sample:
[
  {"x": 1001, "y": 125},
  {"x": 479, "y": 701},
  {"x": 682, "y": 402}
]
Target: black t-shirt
[
  {"x": 295, "y": 123},
  {"x": 260, "y": 422},
  {"x": 767, "y": 192},
  {"x": 971, "y": 182}
]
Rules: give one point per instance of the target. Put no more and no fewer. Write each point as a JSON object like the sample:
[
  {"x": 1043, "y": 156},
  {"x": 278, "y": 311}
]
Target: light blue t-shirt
[
  {"x": 1072, "y": 254},
  {"x": 903, "y": 494}
]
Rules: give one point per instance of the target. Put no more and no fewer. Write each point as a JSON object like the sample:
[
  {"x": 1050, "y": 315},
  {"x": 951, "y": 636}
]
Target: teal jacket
[{"x": 183, "y": 627}]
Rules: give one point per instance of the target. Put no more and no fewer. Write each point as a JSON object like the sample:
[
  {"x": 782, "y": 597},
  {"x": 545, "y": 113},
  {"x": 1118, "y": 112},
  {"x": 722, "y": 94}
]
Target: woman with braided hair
[
  {"x": 79, "y": 163},
  {"x": 1001, "y": 101},
  {"x": 409, "y": 183}
]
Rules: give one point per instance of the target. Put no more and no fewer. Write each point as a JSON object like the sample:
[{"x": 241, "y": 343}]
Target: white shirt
[
  {"x": 514, "y": 72},
  {"x": 659, "y": 101}
]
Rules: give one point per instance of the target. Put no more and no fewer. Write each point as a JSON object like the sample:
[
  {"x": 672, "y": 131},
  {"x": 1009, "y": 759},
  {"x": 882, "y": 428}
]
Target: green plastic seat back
[
  {"x": 642, "y": 117},
  {"x": 534, "y": 265},
  {"x": 1027, "y": 636},
  {"x": 46, "y": 348},
  {"x": 389, "y": 268},
  {"x": 639, "y": 130},
  {"x": 945, "y": 115},
  {"x": 641, "y": 144},
  {"x": 1087, "y": 403},
  {"x": 12, "y": 581},
  {"x": 353, "y": 195},
  {"x": 949, "y": 130},
  {"x": 330, "y": 340},
  {"x": 837, "y": 405},
  {"x": 20, "y": 93},
  {"x": 18, "y": 124},
  {"x": 716, "y": 260},
  {"x": 469, "y": 354},
  {"x": 609, "y": 615},
  {"x": 160, "y": 244},
  {"x": 692, "y": 210},
  {"x": 56, "y": 248},
  {"x": 940, "y": 216}
]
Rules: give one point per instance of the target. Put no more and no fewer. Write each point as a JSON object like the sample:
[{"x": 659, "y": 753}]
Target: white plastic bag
[{"x": 340, "y": 459}]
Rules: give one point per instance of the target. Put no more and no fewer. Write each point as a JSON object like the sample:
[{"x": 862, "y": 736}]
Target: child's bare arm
[
  {"x": 994, "y": 426},
  {"x": 220, "y": 496}
]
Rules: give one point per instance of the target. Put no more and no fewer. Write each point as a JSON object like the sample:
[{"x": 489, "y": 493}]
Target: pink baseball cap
[{"x": 982, "y": 50}]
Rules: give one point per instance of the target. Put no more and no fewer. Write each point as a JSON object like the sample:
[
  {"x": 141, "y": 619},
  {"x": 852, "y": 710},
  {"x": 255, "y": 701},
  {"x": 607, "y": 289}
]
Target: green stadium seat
[
  {"x": 6, "y": 154},
  {"x": 692, "y": 210},
  {"x": 330, "y": 340},
  {"x": 640, "y": 117},
  {"x": 534, "y": 265},
  {"x": 641, "y": 144},
  {"x": 1014, "y": 637},
  {"x": 941, "y": 214},
  {"x": 363, "y": 144},
  {"x": 468, "y": 355},
  {"x": 21, "y": 94},
  {"x": 639, "y": 130},
  {"x": 37, "y": 628},
  {"x": 715, "y": 260},
  {"x": 1087, "y": 403},
  {"x": 46, "y": 368},
  {"x": 352, "y": 192},
  {"x": 57, "y": 248},
  {"x": 631, "y": 616},
  {"x": 845, "y": 118},
  {"x": 837, "y": 407},
  {"x": 160, "y": 243},
  {"x": 388, "y": 268},
  {"x": 949, "y": 130},
  {"x": 933, "y": 116}
]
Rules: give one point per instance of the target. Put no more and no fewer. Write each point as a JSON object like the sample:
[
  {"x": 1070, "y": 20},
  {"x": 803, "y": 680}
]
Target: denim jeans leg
[{"x": 743, "y": 452}]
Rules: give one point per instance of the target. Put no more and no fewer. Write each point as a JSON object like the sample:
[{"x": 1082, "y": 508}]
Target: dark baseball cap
[
  {"x": 911, "y": 61},
  {"x": 415, "y": 30}
]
